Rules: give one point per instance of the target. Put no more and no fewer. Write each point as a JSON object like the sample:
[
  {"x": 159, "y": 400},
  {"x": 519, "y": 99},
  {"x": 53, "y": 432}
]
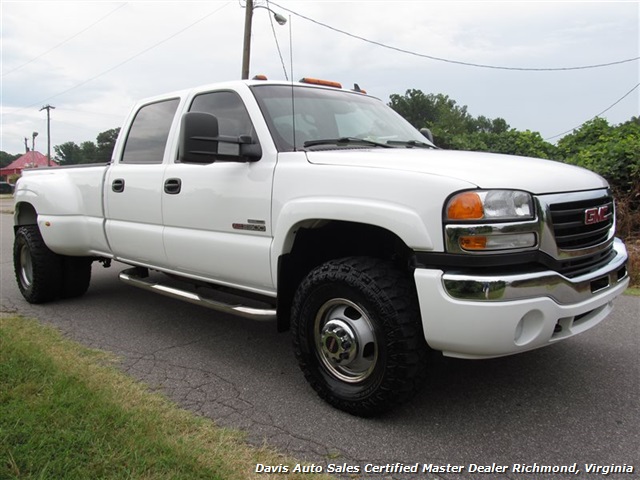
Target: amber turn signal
[
  {"x": 465, "y": 206},
  {"x": 473, "y": 243}
]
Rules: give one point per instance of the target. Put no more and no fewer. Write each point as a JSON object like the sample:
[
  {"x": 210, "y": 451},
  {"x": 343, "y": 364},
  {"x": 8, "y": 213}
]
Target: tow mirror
[
  {"x": 198, "y": 138},
  {"x": 201, "y": 143}
]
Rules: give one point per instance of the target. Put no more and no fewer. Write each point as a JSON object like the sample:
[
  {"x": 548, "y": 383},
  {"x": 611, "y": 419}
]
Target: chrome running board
[{"x": 131, "y": 276}]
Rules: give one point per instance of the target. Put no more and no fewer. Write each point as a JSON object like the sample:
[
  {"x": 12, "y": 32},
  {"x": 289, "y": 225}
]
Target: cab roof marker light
[
  {"x": 260, "y": 77},
  {"x": 318, "y": 81}
]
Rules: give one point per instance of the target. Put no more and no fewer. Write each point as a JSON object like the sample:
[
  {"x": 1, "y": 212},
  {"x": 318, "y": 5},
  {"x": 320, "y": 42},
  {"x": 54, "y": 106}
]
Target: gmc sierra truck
[{"x": 320, "y": 209}]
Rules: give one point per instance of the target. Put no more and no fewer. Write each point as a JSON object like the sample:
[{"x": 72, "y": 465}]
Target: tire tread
[{"x": 407, "y": 346}]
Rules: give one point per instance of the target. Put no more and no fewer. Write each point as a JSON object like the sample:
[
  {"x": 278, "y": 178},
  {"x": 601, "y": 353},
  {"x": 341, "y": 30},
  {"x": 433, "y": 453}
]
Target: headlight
[
  {"x": 489, "y": 221},
  {"x": 501, "y": 205}
]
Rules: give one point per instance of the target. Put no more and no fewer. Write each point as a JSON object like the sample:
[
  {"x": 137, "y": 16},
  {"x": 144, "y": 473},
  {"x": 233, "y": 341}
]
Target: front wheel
[{"x": 357, "y": 335}]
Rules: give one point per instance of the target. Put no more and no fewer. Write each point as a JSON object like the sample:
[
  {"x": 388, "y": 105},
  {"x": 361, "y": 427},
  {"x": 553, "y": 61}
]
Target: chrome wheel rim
[
  {"x": 26, "y": 267},
  {"x": 345, "y": 340}
]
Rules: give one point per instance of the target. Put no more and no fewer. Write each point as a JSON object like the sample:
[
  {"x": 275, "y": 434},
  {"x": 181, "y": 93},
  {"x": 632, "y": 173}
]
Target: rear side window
[{"x": 148, "y": 135}]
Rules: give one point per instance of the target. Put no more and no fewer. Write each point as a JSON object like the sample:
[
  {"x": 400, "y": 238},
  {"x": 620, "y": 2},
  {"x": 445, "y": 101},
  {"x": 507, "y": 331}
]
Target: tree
[
  {"x": 106, "y": 141},
  {"x": 515, "y": 142},
  {"x": 611, "y": 151},
  {"x": 614, "y": 153},
  {"x": 89, "y": 152},
  {"x": 454, "y": 128},
  {"x": 7, "y": 158},
  {"x": 441, "y": 114},
  {"x": 69, "y": 153}
]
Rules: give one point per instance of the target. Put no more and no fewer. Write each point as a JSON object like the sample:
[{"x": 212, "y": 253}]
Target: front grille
[
  {"x": 579, "y": 266},
  {"x": 569, "y": 227}
]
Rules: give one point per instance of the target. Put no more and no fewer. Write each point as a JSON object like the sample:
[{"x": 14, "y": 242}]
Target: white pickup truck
[{"x": 321, "y": 209}]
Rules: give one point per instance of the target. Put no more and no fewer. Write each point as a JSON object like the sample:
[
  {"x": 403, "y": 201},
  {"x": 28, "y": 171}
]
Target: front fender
[{"x": 304, "y": 212}]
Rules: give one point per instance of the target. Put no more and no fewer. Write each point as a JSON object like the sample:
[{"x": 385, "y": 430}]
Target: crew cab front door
[{"x": 217, "y": 216}]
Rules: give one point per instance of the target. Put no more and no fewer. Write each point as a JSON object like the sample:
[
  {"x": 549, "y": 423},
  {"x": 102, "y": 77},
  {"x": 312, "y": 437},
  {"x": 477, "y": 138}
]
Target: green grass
[
  {"x": 633, "y": 291},
  {"x": 67, "y": 413}
]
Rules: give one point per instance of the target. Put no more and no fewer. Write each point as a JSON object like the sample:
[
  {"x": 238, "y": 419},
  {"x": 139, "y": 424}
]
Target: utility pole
[
  {"x": 48, "y": 109},
  {"x": 246, "y": 50},
  {"x": 248, "y": 18}
]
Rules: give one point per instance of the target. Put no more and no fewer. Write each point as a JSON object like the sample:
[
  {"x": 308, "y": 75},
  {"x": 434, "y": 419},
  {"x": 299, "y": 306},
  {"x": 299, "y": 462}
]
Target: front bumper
[{"x": 485, "y": 316}]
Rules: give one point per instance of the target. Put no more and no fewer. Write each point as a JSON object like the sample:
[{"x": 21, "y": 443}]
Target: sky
[{"x": 92, "y": 60}]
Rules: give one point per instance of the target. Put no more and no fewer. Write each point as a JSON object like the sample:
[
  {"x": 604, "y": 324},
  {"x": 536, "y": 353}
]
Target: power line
[
  {"x": 273, "y": 29},
  {"x": 595, "y": 116},
  {"x": 124, "y": 61},
  {"x": 456, "y": 62},
  {"x": 64, "y": 41}
]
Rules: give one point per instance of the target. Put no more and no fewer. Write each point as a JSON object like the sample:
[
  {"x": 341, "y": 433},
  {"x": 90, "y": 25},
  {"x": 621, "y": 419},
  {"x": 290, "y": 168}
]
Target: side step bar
[{"x": 131, "y": 277}]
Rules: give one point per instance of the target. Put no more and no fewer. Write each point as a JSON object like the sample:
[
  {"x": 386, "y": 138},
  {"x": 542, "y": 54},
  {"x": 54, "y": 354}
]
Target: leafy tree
[
  {"x": 515, "y": 142},
  {"x": 611, "y": 151},
  {"x": 106, "y": 141},
  {"x": 441, "y": 114},
  {"x": 69, "y": 153},
  {"x": 487, "y": 125},
  {"x": 89, "y": 152},
  {"x": 454, "y": 128},
  {"x": 7, "y": 158}
]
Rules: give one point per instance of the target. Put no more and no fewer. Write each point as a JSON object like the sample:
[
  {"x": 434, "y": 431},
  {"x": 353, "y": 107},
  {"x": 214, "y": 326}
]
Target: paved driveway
[{"x": 576, "y": 402}]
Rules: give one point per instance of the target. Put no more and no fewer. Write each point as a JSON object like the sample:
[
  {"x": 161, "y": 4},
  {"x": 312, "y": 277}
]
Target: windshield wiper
[
  {"x": 345, "y": 141},
  {"x": 411, "y": 143}
]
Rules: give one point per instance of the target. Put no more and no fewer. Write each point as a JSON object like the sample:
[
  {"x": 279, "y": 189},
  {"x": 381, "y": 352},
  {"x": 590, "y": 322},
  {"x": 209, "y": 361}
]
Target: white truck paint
[{"x": 337, "y": 216}]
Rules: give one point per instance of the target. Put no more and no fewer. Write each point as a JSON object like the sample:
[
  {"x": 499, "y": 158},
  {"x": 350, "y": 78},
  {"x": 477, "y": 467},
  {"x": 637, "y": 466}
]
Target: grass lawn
[
  {"x": 67, "y": 413},
  {"x": 634, "y": 291}
]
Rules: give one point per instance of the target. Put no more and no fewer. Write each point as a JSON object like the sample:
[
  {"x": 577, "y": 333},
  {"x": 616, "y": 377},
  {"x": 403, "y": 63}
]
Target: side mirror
[
  {"x": 198, "y": 138},
  {"x": 200, "y": 142},
  {"x": 427, "y": 134}
]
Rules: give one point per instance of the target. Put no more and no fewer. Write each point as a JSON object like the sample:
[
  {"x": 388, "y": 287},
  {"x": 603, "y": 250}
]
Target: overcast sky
[{"x": 93, "y": 60}]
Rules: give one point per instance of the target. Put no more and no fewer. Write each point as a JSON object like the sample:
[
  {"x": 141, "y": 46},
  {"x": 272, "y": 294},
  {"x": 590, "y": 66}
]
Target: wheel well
[
  {"x": 327, "y": 240},
  {"x": 25, "y": 215}
]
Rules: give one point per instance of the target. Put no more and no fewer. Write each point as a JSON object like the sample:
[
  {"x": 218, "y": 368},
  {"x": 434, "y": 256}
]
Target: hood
[{"x": 484, "y": 170}]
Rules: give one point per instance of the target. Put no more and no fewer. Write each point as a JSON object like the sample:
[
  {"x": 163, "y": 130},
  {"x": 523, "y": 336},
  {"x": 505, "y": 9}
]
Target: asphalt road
[{"x": 576, "y": 402}]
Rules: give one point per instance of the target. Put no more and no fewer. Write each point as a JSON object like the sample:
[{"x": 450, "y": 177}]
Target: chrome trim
[
  {"x": 548, "y": 240},
  {"x": 131, "y": 277},
  {"x": 453, "y": 232},
  {"x": 541, "y": 225},
  {"x": 563, "y": 290}
]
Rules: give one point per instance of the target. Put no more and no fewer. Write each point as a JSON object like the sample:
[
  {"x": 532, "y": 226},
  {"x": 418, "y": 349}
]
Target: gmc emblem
[{"x": 596, "y": 215}]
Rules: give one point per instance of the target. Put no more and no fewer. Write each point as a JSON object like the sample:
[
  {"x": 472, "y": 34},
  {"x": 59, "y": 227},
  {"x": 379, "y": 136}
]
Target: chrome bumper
[{"x": 562, "y": 290}]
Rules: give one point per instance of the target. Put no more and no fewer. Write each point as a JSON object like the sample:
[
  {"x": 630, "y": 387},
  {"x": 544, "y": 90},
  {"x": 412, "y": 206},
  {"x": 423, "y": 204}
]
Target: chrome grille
[{"x": 569, "y": 227}]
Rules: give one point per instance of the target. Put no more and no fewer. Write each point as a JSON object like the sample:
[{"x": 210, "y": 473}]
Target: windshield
[{"x": 321, "y": 117}]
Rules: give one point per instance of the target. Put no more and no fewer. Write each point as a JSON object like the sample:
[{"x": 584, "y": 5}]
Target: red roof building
[{"x": 28, "y": 160}]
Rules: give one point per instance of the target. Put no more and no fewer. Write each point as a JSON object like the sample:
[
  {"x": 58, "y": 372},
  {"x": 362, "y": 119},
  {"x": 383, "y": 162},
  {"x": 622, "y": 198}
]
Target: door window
[
  {"x": 148, "y": 135},
  {"x": 233, "y": 118}
]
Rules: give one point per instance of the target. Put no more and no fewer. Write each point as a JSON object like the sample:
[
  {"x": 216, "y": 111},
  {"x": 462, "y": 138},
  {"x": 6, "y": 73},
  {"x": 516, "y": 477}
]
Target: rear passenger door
[{"x": 133, "y": 202}]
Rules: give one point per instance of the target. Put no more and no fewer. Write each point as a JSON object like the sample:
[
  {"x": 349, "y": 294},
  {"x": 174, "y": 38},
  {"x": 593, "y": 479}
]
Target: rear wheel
[
  {"x": 76, "y": 276},
  {"x": 357, "y": 335},
  {"x": 38, "y": 270},
  {"x": 43, "y": 275}
]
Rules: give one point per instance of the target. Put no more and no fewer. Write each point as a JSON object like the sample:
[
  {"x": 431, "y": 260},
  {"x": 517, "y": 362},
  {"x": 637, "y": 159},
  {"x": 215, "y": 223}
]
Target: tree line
[{"x": 70, "y": 153}]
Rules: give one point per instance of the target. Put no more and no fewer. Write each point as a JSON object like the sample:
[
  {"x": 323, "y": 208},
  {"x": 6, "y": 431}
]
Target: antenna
[{"x": 293, "y": 97}]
